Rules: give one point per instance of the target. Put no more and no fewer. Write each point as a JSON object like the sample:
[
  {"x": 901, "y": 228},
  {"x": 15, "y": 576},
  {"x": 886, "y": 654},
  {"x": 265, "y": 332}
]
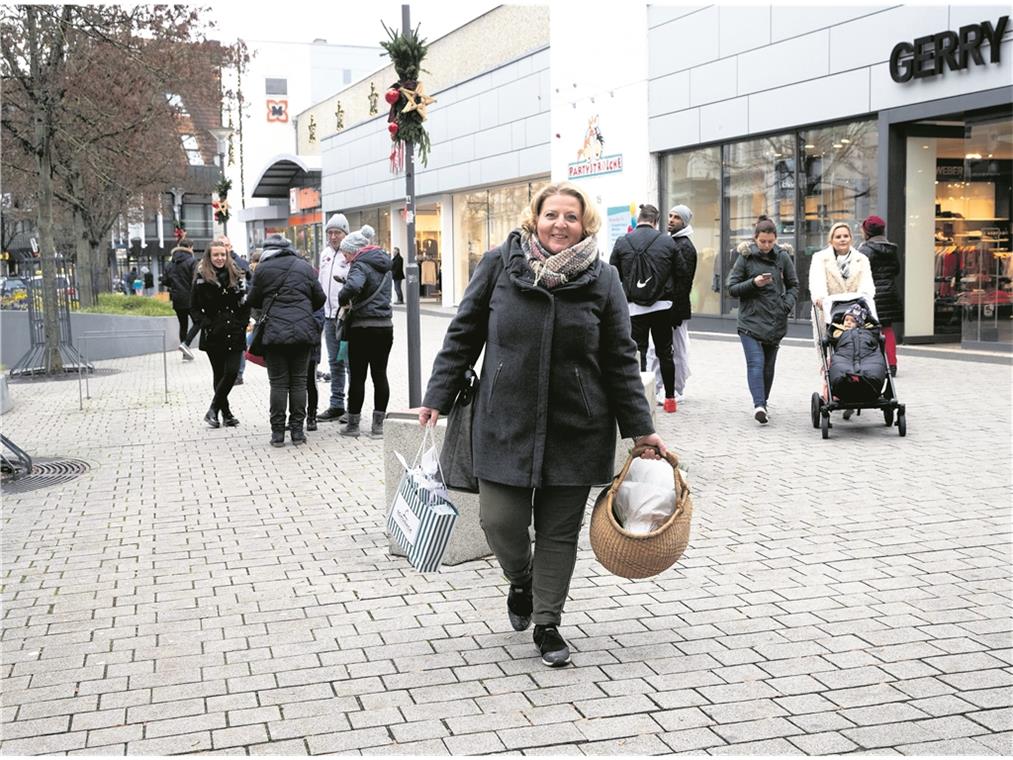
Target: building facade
[{"x": 825, "y": 114}]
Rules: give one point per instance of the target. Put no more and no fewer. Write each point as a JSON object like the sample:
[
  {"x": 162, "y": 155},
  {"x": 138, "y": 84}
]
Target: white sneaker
[
  {"x": 680, "y": 398},
  {"x": 760, "y": 415},
  {"x": 187, "y": 353}
]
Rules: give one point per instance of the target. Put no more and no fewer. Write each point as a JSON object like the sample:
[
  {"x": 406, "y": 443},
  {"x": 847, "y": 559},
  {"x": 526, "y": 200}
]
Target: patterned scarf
[
  {"x": 844, "y": 263},
  {"x": 554, "y": 269}
]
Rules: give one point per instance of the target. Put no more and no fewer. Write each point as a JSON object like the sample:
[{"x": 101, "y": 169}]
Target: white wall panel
[
  {"x": 662, "y": 14},
  {"x": 794, "y": 20},
  {"x": 824, "y": 99},
  {"x": 713, "y": 81},
  {"x": 534, "y": 160},
  {"x": 684, "y": 43},
  {"x": 673, "y": 130},
  {"x": 537, "y": 129},
  {"x": 742, "y": 28},
  {"x": 784, "y": 63},
  {"x": 487, "y": 106},
  {"x": 668, "y": 93},
  {"x": 870, "y": 39},
  {"x": 726, "y": 119},
  {"x": 492, "y": 141},
  {"x": 961, "y": 15}
]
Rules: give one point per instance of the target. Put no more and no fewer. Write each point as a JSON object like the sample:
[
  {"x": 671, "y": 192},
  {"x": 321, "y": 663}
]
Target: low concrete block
[{"x": 6, "y": 401}]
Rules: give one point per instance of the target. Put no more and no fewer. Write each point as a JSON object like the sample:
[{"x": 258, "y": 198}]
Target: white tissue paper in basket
[{"x": 646, "y": 498}]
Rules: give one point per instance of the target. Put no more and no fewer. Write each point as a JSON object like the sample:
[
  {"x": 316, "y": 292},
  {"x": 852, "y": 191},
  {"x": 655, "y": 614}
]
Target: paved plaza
[{"x": 199, "y": 591}]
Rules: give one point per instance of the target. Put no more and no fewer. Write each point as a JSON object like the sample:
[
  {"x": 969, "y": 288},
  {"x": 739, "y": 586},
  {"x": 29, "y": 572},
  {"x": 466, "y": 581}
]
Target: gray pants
[{"x": 505, "y": 513}]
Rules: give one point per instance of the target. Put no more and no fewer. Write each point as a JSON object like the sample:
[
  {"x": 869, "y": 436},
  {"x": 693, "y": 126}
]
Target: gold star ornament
[{"x": 417, "y": 100}]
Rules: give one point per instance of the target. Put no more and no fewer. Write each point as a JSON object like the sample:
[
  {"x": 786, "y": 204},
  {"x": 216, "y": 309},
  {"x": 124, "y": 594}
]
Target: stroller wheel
[
  {"x": 902, "y": 423},
  {"x": 888, "y": 416},
  {"x": 825, "y": 425},
  {"x": 814, "y": 409}
]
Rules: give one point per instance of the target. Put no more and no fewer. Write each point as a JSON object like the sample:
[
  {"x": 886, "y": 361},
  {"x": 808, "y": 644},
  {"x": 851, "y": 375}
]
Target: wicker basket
[{"x": 640, "y": 555}]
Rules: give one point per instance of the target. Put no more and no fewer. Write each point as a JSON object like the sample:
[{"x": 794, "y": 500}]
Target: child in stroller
[{"x": 853, "y": 362}]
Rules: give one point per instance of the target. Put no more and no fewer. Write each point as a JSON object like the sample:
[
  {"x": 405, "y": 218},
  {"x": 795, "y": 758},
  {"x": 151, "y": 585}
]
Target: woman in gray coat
[{"x": 560, "y": 370}]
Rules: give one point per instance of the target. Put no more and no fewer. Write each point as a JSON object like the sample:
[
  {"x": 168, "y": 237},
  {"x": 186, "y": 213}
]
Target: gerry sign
[{"x": 931, "y": 55}]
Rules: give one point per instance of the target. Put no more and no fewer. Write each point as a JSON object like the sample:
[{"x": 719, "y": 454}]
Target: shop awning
[{"x": 286, "y": 171}]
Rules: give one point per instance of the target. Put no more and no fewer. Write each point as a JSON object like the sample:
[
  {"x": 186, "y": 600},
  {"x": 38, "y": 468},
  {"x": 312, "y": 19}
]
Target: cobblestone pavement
[{"x": 199, "y": 591}]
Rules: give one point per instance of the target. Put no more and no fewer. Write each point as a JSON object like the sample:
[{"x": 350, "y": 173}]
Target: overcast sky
[{"x": 342, "y": 23}]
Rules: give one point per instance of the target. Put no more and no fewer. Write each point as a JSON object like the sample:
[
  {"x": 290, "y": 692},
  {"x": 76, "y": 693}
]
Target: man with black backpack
[{"x": 647, "y": 259}]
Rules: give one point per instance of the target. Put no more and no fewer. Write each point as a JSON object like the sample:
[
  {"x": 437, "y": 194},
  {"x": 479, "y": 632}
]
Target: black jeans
[
  {"x": 659, "y": 325},
  {"x": 224, "y": 369},
  {"x": 192, "y": 332},
  {"x": 183, "y": 315},
  {"x": 369, "y": 349},
  {"x": 286, "y": 371},
  {"x": 398, "y": 292},
  {"x": 312, "y": 396}
]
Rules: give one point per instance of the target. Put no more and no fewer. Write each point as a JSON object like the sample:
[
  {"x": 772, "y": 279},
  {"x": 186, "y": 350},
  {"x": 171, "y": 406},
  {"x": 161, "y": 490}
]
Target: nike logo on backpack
[{"x": 643, "y": 283}]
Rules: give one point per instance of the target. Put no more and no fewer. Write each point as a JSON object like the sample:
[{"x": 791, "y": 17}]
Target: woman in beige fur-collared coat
[{"x": 839, "y": 268}]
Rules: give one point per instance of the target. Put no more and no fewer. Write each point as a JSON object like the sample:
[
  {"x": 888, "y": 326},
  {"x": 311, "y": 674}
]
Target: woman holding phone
[{"x": 764, "y": 281}]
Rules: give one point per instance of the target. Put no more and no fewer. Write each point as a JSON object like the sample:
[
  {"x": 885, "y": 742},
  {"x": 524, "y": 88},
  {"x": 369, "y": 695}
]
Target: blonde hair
[
  {"x": 207, "y": 270},
  {"x": 590, "y": 219},
  {"x": 836, "y": 226}
]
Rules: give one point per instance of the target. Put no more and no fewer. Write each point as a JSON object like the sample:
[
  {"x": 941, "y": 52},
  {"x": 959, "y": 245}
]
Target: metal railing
[{"x": 85, "y": 368}]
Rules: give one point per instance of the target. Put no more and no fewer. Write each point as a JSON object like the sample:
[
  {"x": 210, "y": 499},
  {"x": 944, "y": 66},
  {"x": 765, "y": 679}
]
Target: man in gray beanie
[
  {"x": 333, "y": 264},
  {"x": 681, "y": 230}
]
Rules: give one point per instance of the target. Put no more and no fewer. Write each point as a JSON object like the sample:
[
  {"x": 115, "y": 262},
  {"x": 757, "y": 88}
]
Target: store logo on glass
[{"x": 928, "y": 56}]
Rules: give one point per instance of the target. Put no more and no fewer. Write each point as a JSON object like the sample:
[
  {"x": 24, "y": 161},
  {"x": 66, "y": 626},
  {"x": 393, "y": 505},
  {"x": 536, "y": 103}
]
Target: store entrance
[{"x": 959, "y": 187}]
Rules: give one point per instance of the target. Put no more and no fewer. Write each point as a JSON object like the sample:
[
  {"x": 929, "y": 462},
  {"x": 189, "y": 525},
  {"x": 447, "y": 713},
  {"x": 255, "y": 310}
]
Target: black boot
[
  {"x": 228, "y": 420},
  {"x": 277, "y": 437},
  {"x": 298, "y": 436},
  {"x": 211, "y": 418},
  {"x": 330, "y": 414},
  {"x": 352, "y": 428},
  {"x": 311, "y": 421},
  {"x": 376, "y": 431}
]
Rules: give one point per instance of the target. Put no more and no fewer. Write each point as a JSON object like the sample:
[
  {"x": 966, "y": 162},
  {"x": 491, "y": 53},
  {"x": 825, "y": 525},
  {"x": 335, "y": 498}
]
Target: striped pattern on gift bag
[{"x": 421, "y": 522}]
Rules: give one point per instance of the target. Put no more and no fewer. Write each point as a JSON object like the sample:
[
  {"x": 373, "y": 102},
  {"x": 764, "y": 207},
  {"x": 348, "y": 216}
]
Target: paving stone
[
  {"x": 484, "y": 743},
  {"x": 534, "y": 736},
  {"x": 995, "y": 720},
  {"x": 648, "y": 744},
  {"x": 768, "y": 747},
  {"x": 948, "y": 747},
  {"x": 691, "y": 740},
  {"x": 888, "y": 735},
  {"x": 171, "y": 745},
  {"x": 755, "y": 730},
  {"x": 827, "y": 743}
]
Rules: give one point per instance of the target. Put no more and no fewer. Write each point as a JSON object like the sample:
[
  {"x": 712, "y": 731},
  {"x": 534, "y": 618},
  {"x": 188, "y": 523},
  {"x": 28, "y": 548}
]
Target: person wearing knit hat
[
  {"x": 885, "y": 264},
  {"x": 681, "y": 230},
  {"x": 331, "y": 274},
  {"x": 368, "y": 326}
]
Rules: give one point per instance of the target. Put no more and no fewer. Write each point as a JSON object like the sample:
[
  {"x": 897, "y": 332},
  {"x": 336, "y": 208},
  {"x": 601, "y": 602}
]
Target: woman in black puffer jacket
[
  {"x": 764, "y": 281},
  {"x": 218, "y": 301},
  {"x": 885, "y": 267},
  {"x": 286, "y": 289}
]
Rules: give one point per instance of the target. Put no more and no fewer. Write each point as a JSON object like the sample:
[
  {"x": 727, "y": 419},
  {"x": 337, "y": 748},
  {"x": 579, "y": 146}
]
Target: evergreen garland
[{"x": 406, "y": 52}]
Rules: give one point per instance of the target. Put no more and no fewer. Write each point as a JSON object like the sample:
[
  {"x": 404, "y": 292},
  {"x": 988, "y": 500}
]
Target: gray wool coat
[{"x": 560, "y": 370}]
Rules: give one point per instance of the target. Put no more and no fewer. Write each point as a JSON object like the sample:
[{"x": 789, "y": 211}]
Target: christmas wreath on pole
[
  {"x": 220, "y": 207},
  {"x": 407, "y": 97}
]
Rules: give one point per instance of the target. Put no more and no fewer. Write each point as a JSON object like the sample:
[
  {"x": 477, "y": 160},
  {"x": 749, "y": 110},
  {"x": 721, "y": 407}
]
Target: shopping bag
[
  {"x": 422, "y": 518},
  {"x": 456, "y": 460}
]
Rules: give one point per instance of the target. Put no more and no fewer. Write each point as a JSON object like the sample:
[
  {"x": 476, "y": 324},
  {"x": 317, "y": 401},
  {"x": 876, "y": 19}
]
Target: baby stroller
[{"x": 853, "y": 364}]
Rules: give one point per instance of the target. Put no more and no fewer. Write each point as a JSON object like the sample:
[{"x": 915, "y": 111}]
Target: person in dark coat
[
  {"x": 885, "y": 263},
  {"x": 764, "y": 280},
  {"x": 397, "y": 272},
  {"x": 244, "y": 267},
  {"x": 219, "y": 304},
  {"x": 560, "y": 370},
  {"x": 646, "y": 260},
  {"x": 178, "y": 278},
  {"x": 369, "y": 328},
  {"x": 681, "y": 230},
  {"x": 285, "y": 288}
]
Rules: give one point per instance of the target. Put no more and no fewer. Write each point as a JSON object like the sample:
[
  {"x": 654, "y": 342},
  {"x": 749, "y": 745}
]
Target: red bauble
[
  {"x": 392, "y": 128},
  {"x": 391, "y": 96}
]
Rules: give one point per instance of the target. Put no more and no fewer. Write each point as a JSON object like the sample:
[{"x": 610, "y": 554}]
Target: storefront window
[
  {"x": 760, "y": 180},
  {"x": 377, "y": 217},
  {"x": 693, "y": 178},
  {"x": 838, "y": 184},
  {"x": 483, "y": 219}
]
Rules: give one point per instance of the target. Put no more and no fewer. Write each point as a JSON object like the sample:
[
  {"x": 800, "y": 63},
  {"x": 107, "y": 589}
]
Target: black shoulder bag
[
  {"x": 457, "y": 457},
  {"x": 257, "y": 336}
]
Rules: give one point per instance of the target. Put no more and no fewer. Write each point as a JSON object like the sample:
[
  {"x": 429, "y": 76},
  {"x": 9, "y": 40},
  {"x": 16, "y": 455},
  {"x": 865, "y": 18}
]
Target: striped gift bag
[{"x": 421, "y": 519}]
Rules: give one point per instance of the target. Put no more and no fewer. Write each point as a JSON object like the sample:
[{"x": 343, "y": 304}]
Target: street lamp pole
[
  {"x": 412, "y": 311},
  {"x": 221, "y": 135}
]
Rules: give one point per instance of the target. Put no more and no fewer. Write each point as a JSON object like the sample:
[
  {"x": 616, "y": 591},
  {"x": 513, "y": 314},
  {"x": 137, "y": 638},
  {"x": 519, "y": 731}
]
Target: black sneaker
[
  {"x": 228, "y": 420},
  {"x": 331, "y": 414},
  {"x": 519, "y": 606},
  {"x": 239, "y": 380},
  {"x": 555, "y": 653},
  {"x": 211, "y": 418}
]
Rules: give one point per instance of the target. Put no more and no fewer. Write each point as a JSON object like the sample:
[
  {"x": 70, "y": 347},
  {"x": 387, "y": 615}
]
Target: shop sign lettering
[
  {"x": 603, "y": 165},
  {"x": 928, "y": 56}
]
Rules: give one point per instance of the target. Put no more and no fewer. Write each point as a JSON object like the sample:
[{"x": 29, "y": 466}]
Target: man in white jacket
[{"x": 333, "y": 264}]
